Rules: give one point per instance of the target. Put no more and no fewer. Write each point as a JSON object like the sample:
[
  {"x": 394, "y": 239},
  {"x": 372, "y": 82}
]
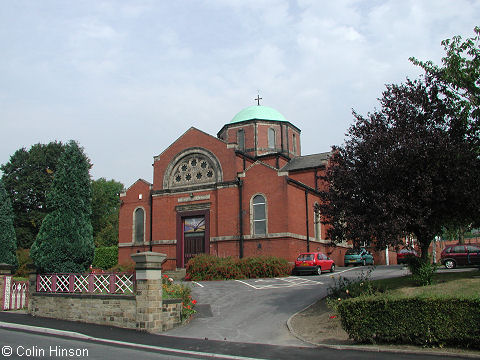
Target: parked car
[
  {"x": 314, "y": 262},
  {"x": 358, "y": 257},
  {"x": 404, "y": 254},
  {"x": 458, "y": 255}
]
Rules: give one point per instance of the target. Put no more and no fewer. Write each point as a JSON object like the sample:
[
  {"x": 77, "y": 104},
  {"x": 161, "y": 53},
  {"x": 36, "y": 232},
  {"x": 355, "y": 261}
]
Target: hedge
[
  {"x": 211, "y": 267},
  {"x": 106, "y": 257},
  {"x": 413, "y": 320}
]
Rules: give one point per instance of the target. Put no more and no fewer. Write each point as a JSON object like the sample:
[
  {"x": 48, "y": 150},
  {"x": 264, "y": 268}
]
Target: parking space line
[
  {"x": 196, "y": 283},
  {"x": 243, "y": 282},
  {"x": 288, "y": 282},
  {"x": 339, "y": 272}
]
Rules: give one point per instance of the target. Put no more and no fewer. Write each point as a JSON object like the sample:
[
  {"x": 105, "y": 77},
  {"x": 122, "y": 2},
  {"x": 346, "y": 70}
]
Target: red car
[
  {"x": 314, "y": 262},
  {"x": 468, "y": 255},
  {"x": 404, "y": 254}
]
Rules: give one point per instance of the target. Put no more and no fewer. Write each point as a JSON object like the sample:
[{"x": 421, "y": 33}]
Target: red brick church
[{"x": 246, "y": 192}]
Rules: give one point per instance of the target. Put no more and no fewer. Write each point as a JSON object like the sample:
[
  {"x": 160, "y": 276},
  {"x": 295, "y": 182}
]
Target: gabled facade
[{"x": 246, "y": 192}]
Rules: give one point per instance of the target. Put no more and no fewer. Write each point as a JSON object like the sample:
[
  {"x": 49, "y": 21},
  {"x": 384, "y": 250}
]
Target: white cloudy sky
[{"x": 126, "y": 78}]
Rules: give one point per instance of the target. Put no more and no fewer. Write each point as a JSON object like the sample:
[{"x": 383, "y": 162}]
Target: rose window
[{"x": 192, "y": 170}]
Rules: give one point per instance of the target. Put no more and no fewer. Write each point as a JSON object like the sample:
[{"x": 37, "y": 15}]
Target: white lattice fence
[
  {"x": 98, "y": 283},
  {"x": 15, "y": 294}
]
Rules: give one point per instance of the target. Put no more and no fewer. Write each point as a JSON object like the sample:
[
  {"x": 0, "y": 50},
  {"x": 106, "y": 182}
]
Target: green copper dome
[{"x": 258, "y": 112}]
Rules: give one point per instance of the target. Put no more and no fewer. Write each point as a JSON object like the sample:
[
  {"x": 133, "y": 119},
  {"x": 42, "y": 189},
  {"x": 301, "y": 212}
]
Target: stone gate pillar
[
  {"x": 5, "y": 270},
  {"x": 148, "y": 269}
]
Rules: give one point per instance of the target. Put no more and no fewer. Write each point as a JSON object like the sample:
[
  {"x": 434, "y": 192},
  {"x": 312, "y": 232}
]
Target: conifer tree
[
  {"x": 65, "y": 241},
  {"x": 8, "y": 240}
]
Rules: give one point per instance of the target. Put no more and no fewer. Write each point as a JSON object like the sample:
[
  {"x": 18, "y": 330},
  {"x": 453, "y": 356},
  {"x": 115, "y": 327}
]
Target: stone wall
[
  {"x": 114, "y": 310},
  {"x": 172, "y": 312},
  {"x": 144, "y": 310}
]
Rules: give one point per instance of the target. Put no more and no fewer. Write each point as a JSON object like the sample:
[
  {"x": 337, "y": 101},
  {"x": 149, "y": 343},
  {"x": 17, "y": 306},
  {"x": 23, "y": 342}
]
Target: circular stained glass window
[{"x": 193, "y": 169}]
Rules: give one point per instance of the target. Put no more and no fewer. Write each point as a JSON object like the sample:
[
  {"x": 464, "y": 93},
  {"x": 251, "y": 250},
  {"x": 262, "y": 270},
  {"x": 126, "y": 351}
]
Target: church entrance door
[{"x": 193, "y": 237}]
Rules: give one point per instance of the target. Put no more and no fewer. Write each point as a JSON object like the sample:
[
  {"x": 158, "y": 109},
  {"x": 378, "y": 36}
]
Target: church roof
[
  {"x": 307, "y": 162},
  {"x": 258, "y": 112}
]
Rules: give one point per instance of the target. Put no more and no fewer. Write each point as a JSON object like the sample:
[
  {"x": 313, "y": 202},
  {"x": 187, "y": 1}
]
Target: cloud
[{"x": 127, "y": 78}]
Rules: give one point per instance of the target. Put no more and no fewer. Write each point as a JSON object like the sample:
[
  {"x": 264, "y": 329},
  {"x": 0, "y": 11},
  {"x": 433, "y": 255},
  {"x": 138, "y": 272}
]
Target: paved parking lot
[
  {"x": 256, "y": 310},
  {"x": 286, "y": 282}
]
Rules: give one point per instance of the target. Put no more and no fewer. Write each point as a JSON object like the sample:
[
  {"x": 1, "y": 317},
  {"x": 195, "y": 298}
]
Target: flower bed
[{"x": 170, "y": 290}]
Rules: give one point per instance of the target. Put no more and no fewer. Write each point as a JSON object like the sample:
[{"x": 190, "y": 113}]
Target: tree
[
  {"x": 8, "y": 241},
  {"x": 398, "y": 172},
  {"x": 459, "y": 75},
  {"x": 65, "y": 242},
  {"x": 105, "y": 208},
  {"x": 459, "y": 80},
  {"x": 27, "y": 178}
]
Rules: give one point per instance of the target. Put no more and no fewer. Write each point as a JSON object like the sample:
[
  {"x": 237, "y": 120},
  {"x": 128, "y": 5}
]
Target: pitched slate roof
[{"x": 307, "y": 162}]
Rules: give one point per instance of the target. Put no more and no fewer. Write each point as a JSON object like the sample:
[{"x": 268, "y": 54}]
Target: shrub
[
  {"x": 123, "y": 268},
  {"x": 422, "y": 270},
  {"x": 24, "y": 263},
  {"x": 343, "y": 288},
  {"x": 418, "y": 320},
  {"x": 211, "y": 267},
  {"x": 105, "y": 257},
  {"x": 264, "y": 267}
]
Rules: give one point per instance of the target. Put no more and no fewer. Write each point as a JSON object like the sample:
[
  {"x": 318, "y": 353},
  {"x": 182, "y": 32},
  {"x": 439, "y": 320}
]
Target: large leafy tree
[
  {"x": 65, "y": 242},
  {"x": 459, "y": 75},
  {"x": 105, "y": 208},
  {"x": 458, "y": 78},
  {"x": 27, "y": 178},
  {"x": 398, "y": 172},
  {"x": 8, "y": 241}
]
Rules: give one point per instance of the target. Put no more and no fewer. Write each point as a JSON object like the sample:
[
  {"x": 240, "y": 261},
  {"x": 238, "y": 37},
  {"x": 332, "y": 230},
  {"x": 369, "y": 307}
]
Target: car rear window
[
  {"x": 306, "y": 257},
  {"x": 351, "y": 252},
  {"x": 471, "y": 248}
]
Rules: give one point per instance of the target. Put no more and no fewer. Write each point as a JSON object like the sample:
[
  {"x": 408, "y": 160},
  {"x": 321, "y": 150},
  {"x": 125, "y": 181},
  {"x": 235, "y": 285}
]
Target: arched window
[
  {"x": 294, "y": 140},
  {"x": 271, "y": 138},
  {"x": 241, "y": 139},
  {"x": 259, "y": 215},
  {"x": 139, "y": 226}
]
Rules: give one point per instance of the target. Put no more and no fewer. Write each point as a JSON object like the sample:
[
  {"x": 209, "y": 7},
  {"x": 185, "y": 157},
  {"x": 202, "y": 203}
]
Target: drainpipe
[
  {"x": 240, "y": 209},
  {"x": 151, "y": 217},
  {"x": 306, "y": 218}
]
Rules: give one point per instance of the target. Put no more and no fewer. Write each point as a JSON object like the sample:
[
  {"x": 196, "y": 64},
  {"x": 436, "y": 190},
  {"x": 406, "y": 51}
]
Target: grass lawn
[{"x": 464, "y": 284}]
